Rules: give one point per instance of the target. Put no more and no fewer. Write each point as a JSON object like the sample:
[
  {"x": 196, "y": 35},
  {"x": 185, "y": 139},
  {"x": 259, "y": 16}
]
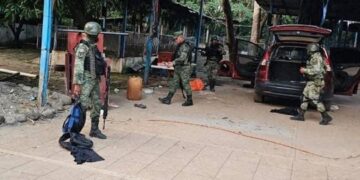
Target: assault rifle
[{"x": 106, "y": 99}]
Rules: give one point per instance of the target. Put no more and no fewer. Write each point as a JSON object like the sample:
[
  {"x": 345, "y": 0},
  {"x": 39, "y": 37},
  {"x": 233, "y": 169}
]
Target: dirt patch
[{"x": 26, "y": 60}]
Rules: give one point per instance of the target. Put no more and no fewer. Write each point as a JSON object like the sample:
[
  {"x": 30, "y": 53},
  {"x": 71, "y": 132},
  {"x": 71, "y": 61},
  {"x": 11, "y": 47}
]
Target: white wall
[{"x": 29, "y": 31}]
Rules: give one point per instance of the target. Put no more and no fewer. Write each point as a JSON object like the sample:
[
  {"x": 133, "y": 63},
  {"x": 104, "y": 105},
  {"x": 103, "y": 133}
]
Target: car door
[
  {"x": 248, "y": 58},
  {"x": 346, "y": 67}
]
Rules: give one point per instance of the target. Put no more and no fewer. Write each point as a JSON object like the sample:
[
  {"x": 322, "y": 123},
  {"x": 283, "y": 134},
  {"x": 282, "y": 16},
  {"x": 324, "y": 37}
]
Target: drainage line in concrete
[{"x": 254, "y": 137}]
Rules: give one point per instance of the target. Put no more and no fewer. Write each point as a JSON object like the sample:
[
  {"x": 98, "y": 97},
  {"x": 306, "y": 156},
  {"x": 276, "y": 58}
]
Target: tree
[
  {"x": 255, "y": 24},
  {"x": 229, "y": 30},
  {"x": 81, "y": 11},
  {"x": 14, "y": 13}
]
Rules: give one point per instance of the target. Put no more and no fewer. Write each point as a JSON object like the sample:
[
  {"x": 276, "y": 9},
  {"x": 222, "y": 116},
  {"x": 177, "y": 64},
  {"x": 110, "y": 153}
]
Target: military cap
[{"x": 178, "y": 33}]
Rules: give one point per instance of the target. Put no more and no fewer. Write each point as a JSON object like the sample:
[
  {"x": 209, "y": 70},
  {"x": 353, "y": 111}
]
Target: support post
[
  {"x": 207, "y": 35},
  {"x": 149, "y": 43},
  {"x": 356, "y": 39},
  {"x": 154, "y": 23},
  {"x": 104, "y": 12},
  {"x": 198, "y": 35},
  {"x": 45, "y": 53},
  {"x": 122, "y": 42},
  {"x": 346, "y": 34},
  {"x": 324, "y": 12}
]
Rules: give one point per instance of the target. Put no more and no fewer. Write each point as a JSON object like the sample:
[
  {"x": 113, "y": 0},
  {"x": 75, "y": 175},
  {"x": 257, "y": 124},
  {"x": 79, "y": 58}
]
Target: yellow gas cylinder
[{"x": 134, "y": 90}]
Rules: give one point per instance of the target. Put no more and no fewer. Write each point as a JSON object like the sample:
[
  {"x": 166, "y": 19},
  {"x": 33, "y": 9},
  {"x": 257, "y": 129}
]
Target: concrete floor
[{"x": 225, "y": 135}]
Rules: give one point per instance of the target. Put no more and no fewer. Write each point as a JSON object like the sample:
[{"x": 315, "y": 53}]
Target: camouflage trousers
[
  {"x": 89, "y": 96},
  {"x": 181, "y": 75},
  {"x": 212, "y": 68},
  {"x": 311, "y": 93}
]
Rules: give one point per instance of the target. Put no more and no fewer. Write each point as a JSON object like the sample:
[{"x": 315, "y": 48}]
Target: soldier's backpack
[{"x": 75, "y": 121}]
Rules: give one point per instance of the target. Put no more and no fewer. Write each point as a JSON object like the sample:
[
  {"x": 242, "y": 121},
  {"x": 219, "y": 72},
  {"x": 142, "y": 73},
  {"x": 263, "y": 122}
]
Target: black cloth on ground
[
  {"x": 286, "y": 110},
  {"x": 80, "y": 147}
]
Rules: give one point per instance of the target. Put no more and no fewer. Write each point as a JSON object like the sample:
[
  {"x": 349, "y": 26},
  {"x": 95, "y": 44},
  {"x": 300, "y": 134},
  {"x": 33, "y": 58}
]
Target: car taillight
[
  {"x": 264, "y": 67},
  {"x": 327, "y": 60}
]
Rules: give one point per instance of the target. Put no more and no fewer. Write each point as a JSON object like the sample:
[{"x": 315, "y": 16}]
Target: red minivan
[{"x": 278, "y": 72}]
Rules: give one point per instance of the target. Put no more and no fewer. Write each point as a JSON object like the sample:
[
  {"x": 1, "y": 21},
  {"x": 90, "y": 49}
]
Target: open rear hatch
[
  {"x": 285, "y": 64},
  {"x": 299, "y": 33},
  {"x": 290, "y": 53}
]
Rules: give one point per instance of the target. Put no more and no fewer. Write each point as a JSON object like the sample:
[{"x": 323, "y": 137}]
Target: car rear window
[{"x": 293, "y": 53}]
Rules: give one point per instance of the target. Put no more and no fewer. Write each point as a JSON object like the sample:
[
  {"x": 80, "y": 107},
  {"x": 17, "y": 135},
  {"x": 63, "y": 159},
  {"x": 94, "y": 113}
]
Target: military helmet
[
  {"x": 313, "y": 47},
  {"x": 92, "y": 28},
  {"x": 214, "y": 38}
]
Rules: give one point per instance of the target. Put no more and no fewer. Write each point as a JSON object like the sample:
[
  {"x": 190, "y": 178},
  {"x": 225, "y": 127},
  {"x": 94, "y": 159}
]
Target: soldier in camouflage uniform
[
  {"x": 314, "y": 73},
  {"x": 214, "y": 54},
  {"x": 182, "y": 70},
  {"x": 87, "y": 77}
]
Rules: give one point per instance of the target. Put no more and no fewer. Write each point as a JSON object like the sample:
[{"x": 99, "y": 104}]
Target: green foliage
[
  {"x": 214, "y": 9},
  {"x": 241, "y": 9},
  {"x": 286, "y": 19},
  {"x": 16, "y": 11}
]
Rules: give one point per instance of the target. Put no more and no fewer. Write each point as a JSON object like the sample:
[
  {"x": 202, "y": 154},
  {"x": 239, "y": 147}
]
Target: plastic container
[
  {"x": 197, "y": 84},
  {"x": 134, "y": 90}
]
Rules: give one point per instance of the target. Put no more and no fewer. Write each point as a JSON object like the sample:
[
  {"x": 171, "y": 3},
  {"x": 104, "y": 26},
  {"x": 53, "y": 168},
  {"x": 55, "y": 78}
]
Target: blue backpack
[
  {"x": 76, "y": 119},
  {"x": 71, "y": 128}
]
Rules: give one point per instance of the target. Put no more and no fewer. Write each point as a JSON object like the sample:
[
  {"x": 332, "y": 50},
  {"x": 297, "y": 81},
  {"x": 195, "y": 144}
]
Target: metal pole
[
  {"x": 149, "y": 43},
  {"x": 152, "y": 34},
  {"x": 81, "y": 31},
  {"x": 356, "y": 39},
  {"x": 324, "y": 13},
  {"x": 45, "y": 53},
  {"x": 339, "y": 32},
  {"x": 104, "y": 9},
  {"x": 346, "y": 34},
  {"x": 122, "y": 38},
  {"x": 149, "y": 46},
  {"x": 198, "y": 35}
]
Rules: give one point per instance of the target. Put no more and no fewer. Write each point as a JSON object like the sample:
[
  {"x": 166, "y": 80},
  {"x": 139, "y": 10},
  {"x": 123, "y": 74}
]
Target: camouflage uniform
[
  {"x": 85, "y": 76},
  {"x": 182, "y": 73},
  {"x": 315, "y": 71},
  {"x": 214, "y": 54},
  {"x": 182, "y": 69},
  {"x": 89, "y": 83}
]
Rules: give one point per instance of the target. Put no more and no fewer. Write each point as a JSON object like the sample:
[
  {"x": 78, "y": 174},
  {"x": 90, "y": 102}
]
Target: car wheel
[{"x": 258, "y": 98}]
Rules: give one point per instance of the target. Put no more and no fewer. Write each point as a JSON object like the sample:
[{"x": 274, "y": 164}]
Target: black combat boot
[
  {"x": 300, "y": 116},
  {"x": 95, "y": 131},
  {"x": 325, "y": 118},
  {"x": 167, "y": 99},
  {"x": 212, "y": 85},
  {"x": 189, "y": 101}
]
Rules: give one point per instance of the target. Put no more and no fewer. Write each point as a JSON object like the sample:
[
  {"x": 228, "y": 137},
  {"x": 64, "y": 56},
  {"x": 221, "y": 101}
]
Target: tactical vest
[
  {"x": 213, "y": 53},
  {"x": 100, "y": 64},
  {"x": 189, "y": 53}
]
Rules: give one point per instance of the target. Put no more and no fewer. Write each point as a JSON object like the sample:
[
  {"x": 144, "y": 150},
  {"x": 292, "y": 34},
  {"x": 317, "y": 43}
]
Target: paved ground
[{"x": 224, "y": 136}]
